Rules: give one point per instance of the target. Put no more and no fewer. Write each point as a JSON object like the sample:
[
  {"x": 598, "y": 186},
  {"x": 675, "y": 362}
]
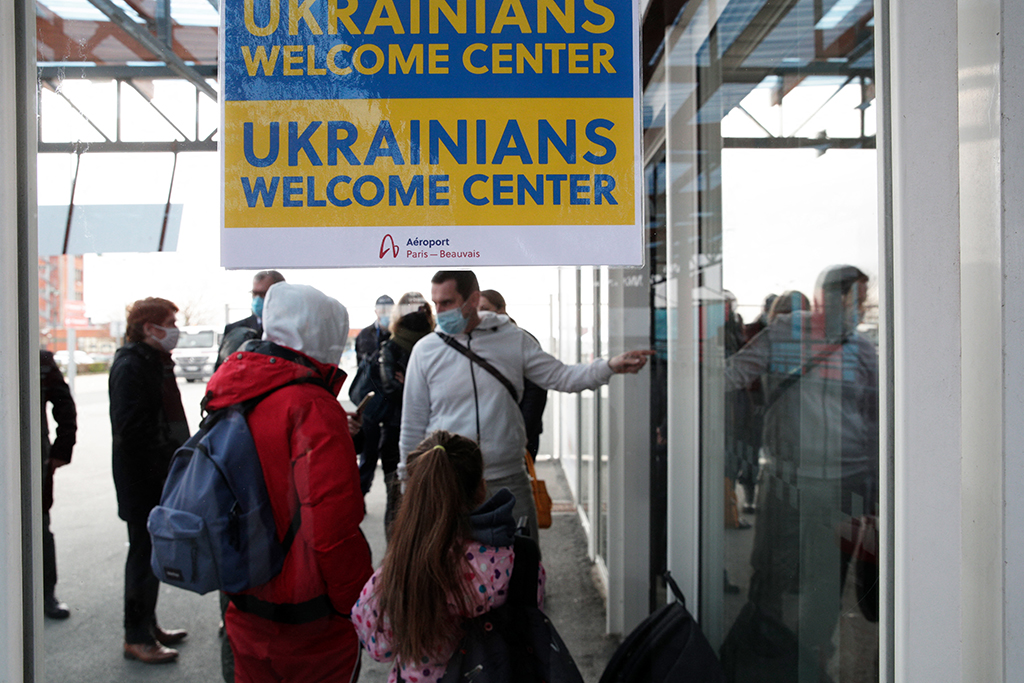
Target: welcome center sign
[{"x": 430, "y": 132}]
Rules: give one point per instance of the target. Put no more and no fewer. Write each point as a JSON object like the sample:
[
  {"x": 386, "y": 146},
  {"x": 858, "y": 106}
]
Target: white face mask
[{"x": 170, "y": 339}]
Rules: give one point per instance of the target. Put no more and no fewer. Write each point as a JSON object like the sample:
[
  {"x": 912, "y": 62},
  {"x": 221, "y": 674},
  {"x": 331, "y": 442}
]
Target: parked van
[{"x": 196, "y": 352}]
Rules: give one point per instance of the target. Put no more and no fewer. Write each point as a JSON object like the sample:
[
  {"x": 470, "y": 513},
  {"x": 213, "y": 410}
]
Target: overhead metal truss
[
  {"x": 133, "y": 52},
  {"x": 159, "y": 45},
  {"x": 138, "y": 79}
]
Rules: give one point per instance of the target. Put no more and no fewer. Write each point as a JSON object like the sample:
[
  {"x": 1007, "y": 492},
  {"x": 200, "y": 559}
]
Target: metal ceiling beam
[
  {"x": 151, "y": 43},
  {"x": 754, "y": 33},
  {"x": 207, "y": 145},
  {"x": 60, "y": 71},
  {"x": 163, "y": 22},
  {"x": 755, "y": 75},
  {"x": 820, "y": 143}
]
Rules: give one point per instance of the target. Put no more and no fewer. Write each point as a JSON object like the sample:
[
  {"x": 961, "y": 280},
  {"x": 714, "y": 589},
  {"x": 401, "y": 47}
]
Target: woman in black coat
[
  {"x": 412, "y": 321},
  {"x": 147, "y": 424}
]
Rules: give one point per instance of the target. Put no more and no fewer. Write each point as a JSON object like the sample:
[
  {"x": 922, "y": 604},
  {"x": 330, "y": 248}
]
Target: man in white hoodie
[{"x": 447, "y": 389}]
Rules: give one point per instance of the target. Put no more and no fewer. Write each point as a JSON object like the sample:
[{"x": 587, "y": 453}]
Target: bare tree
[{"x": 194, "y": 311}]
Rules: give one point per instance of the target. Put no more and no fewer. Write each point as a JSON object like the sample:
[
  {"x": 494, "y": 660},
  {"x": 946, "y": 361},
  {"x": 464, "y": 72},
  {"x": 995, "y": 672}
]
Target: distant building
[
  {"x": 59, "y": 304},
  {"x": 53, "y": 292}
]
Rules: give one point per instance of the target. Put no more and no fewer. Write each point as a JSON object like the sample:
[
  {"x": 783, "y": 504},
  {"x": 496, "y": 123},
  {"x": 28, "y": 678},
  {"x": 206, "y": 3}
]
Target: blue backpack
[{"x": 214, "y": 528}]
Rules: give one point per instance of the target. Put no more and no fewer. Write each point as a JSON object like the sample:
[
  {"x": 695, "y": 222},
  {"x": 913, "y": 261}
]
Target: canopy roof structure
[
  {"x": 130, "y": 44},
  {"x": 779, "y": 45}
]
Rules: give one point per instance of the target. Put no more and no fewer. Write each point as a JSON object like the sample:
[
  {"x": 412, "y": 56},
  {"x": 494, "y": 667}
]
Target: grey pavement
[{"x": 92, "y": 542}]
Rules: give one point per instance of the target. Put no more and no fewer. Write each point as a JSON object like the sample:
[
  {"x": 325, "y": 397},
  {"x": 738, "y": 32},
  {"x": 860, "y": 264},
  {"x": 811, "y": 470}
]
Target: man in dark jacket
[
  {"x": 54, "y": 390},
  {"x": 240, "y": 331},
  {"x": 368, "y": 342},
  {"x": 371, "y": 337},
  {"x": 148, "y": 424}
]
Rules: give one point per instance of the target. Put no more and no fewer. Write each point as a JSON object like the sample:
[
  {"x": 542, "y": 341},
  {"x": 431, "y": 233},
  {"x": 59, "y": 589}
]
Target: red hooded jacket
[{"x": 301, "y": 435}]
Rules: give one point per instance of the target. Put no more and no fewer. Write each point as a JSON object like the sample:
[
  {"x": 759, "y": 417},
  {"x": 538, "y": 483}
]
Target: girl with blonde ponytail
[{"x": 449, "y": 559}]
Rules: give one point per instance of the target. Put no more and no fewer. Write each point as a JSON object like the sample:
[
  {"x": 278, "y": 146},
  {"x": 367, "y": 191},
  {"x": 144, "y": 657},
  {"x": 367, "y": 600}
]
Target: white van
[{"x": 196, "y": 352}]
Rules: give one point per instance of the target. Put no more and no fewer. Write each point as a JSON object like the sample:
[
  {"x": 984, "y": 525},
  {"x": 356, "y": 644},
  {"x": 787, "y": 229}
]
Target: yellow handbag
[{"x": 541, "y": 499}]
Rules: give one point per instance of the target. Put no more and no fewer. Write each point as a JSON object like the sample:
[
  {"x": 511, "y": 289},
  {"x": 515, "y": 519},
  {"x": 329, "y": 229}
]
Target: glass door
[{"x": 771, "y": 184}]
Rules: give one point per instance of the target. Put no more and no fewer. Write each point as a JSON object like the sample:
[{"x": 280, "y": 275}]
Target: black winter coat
[
  {"x": 54, "y": 390},
  {"x": 147, "y": 424},
  {"x": 370, "y": 339},
  {"x": 393, "y": 359}
]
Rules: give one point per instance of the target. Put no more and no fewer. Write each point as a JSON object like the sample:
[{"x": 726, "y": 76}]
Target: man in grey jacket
[{"x": 447, "y": 389}]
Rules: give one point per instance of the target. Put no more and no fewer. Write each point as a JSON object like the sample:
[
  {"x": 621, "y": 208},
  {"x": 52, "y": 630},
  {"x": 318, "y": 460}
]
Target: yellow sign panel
[
  {"x": 381, "y": 162},
  {"x": 508, "y": 127}
]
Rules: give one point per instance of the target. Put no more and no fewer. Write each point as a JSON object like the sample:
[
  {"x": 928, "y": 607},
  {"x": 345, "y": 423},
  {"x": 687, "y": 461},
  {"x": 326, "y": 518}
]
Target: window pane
[{"x": 769, "y": 136}]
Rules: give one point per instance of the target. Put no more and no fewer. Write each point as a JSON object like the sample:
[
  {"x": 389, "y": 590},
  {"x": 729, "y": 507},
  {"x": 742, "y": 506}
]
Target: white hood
[
  {"x": 305, "y": 319},
  {"x": 489, "y": 320}
]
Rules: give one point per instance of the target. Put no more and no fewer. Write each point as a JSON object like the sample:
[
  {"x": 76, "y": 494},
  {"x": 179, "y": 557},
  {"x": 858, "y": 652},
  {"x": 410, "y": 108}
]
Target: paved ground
[{"x": 91, "y": 546}]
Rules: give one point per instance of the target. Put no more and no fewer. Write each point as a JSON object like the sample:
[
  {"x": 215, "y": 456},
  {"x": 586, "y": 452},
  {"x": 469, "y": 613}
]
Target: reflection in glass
[
  {"x": 568, "y": 352},
  {"x": 817, "y": 485},
  {"x": 654, "y": 178},
  {"x": 587, "y": 407},
  {"x": 604, "y": 417},
  {"x": 770, "y": 177}
]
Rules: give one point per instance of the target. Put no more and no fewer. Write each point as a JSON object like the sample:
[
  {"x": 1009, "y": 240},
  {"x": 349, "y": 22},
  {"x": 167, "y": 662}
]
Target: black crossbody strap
[
  {"x": 796, "y": 375},
  {"x": 522, "y": 587},
  {"x": 470, "y": 354}
]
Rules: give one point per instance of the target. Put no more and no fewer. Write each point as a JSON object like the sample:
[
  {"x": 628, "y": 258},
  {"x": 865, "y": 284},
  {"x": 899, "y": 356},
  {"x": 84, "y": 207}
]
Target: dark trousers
[
  {"x": 371, "y": 453},
  {"x": 227, "y": 657},
  {"x": 49, "y": 549},
  {"x": 49, "y": 558},
  {"x": 141, "y": 586}
]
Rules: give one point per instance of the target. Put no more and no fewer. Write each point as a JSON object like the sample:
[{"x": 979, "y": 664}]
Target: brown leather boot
[
  {"x": 149, "y": 653},
  {"x": 170, "y": 637}
]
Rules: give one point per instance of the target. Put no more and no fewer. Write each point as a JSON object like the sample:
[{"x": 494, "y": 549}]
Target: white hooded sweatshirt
[
  {"x": 305, "y": 319},
  {"x": 439, "y": 390}
]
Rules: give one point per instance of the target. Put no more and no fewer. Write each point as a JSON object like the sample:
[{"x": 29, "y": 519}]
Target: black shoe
[{"x": 55, "y": 609}]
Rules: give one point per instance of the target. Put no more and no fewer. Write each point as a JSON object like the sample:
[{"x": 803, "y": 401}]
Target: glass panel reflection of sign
[{"x": 772, "y": 169}]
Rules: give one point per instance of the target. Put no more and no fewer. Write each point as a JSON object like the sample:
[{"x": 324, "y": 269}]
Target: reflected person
[{"x": 820, "y": 441}]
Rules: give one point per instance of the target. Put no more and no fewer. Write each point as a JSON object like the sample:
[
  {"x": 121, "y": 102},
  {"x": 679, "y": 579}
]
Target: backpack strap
[
  {"x": 482, "y": 362},
  {"x": 674, "y": 587},
  {"x": 522, "y": 587},
  {"x": 245, "y": 407},
  {"x": 282, "y": 613}
]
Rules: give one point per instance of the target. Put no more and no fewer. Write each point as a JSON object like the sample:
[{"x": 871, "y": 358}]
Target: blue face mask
[
  {"x": 385, "y": 320},
  {"x": 452, "y": 321},
  {"x": 257, "y": 306}
]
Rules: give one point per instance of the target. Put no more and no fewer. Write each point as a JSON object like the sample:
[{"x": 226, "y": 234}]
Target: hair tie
[{"x": 439, "y": 446}]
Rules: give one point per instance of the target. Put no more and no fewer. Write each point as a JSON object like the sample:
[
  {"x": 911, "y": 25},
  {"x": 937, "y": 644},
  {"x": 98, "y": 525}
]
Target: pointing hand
[{"x": 630, "y": 361}]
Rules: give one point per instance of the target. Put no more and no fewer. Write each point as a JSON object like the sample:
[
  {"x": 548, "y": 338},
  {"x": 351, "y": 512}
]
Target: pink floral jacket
[{"x": 486, "y": 582}]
